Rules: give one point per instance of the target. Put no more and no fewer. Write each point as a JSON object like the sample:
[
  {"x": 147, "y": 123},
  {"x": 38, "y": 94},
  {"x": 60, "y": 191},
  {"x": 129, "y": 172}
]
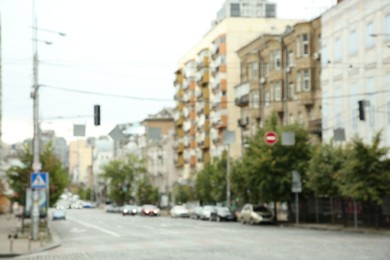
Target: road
[{"x": 94, "y": 234}]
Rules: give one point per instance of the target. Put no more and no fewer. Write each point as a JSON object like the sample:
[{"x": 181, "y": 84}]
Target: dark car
[
  {"x": 222, "y": 214},
  {"x": 150, "y": 210},
  {"x": 129, "y": 210}
]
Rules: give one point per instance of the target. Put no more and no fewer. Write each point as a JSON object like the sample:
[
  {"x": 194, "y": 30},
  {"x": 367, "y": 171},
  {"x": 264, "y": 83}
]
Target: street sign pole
[
  {"x": 296, "y": 208},
  {"x": 296, "y": 188}
]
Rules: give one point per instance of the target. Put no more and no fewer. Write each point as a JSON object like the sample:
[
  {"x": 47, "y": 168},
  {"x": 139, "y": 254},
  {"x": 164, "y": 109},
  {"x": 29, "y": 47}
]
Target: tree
[
  {"x": 19, "y": 176},
  {"x": 146, "y": 193},
  {"x": 366, "y": 172},
  {"x": 267, "y": 168},
  {"x": 183, "y": 193},
  {"x": 121, "y": 178}
]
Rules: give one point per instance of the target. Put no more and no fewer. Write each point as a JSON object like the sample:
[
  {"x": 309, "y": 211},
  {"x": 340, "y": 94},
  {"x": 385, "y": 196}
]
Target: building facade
[
  {"x": 280, "y": 74},
  {"x": 80, "y": 161},
  {"x": 355, "y": 66},
  {"x": 205, "y": 95}
]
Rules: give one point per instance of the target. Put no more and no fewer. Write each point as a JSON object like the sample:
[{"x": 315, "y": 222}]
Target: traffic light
[
  {"x": 96, "y": 114},
  {"x": 362, "y": 112}
]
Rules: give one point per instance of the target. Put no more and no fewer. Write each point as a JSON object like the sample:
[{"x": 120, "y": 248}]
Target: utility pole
[{"x": 36, "y": 160}]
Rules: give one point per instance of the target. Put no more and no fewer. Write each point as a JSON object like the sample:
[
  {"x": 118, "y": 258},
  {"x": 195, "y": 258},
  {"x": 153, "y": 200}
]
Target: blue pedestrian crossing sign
[{"x": 39, "y": 180}]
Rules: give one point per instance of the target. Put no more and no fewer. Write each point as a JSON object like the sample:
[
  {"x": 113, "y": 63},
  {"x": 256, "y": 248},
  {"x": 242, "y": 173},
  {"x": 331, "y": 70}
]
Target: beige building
[
  {"x": 80, "y": 161},
  {"x": 280, "y": 73},
  {"x": 205, "y": 95}
]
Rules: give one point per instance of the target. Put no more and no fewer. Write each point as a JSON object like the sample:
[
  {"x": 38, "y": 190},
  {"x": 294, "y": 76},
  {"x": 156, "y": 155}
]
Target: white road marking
[{"x": 95, "y": 227}]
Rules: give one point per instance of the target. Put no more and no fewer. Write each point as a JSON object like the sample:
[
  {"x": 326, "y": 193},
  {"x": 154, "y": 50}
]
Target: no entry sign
[{"x": 270, "y": 138}]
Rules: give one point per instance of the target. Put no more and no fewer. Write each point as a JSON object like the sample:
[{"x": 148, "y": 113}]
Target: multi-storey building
[
  {"x": 80, "y": 161},
  {"x": 246, "y": 8},
  {"x": 204, "y": 84},
  {"x": 355, "y": 66},
  {"x": 280, "y": 74},
  {"x": 157, "y": 148},
  {"x": 60, "y": 147}
]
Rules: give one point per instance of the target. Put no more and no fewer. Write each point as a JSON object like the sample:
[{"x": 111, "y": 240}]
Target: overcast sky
[{"x": 122, "y": 48}]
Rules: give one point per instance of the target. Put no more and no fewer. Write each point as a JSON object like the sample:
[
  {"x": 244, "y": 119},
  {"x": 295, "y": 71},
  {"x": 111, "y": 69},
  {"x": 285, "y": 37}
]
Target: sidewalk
[
  {"x": 330, "y": 227},
  {"x": 22, "y": 245}
]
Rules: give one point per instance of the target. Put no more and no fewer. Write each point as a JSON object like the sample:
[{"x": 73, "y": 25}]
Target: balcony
[
  {"x": 206, "y": 110},
  {"x": 180, "y": 148},
  {"x": 306, "y": 98},
  {"x": 192, "y": 85},
  {"x": 205, "y": 144},
  {"x": 206, "y": 156},
  {"x": 315, "y": 126},
  {"x": 193, "y": 161},
  {"x": 243, "y": 122},
  {"x": 192, "y": 100},
  {"x": 206, "y": 126},
  {"x": 202, "y": 78},
  {"x": 205, "y": 94},
  {"x": 223, "y": 85},
  {"x": 180, "y": 133},
  {"x": 192, "y": 115},
  {"x": 179, "y": 78},
  {"x": 180, "y": 120},
  {"x": 180, "y": 161},
  {"x": 222, "y": 122},
  {"x": 203, "y": 62},
  {"x": 242, "y": 101},
  {"x": 193, "y": 130}
]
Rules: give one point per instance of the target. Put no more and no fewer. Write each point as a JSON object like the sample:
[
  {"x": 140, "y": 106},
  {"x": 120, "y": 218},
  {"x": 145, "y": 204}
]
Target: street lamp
[{"x": 36, "y": 160}]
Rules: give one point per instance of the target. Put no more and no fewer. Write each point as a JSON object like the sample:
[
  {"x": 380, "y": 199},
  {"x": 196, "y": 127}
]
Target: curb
[
  {"x": 56, "y": 242},
  {"x": 340, "y": 229}
]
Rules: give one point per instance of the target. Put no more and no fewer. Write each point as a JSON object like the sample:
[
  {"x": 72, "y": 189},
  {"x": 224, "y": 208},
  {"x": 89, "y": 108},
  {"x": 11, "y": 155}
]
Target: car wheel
[
  {"x": 242, "y": 220},
  {"x": 251, "y": 221}
]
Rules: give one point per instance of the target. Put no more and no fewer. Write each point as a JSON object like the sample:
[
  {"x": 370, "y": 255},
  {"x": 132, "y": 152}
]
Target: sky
[{"x": 119, "y": 54}]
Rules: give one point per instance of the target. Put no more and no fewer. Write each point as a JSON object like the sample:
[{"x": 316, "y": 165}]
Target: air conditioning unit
[
  {"x": 262, "y": 80},
  {"x": 316, "y": 55}
]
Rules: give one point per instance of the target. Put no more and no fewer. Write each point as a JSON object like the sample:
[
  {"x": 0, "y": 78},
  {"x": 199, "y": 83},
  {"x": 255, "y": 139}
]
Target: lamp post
[{"x": 36, "y": 140}]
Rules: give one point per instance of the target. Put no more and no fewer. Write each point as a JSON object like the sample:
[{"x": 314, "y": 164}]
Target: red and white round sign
[{"x": 270, "y": 138}]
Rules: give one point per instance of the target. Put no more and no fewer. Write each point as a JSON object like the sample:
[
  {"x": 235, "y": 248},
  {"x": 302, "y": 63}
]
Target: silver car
[{"x": 255, "y": 214}]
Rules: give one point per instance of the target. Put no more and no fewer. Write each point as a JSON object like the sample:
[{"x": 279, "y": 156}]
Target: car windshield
[{"x": 260, "y": 208}]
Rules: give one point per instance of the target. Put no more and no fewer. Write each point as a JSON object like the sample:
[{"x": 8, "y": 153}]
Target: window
[
  {"x": 235, "y": 10},
  {"x": 277, "y": 59},
  {"x": 338, "y": 107},
  {"x": 278, "y": 91},
  {"x": 254, "y": 71},
  {"x": 298, "y": 46},
  {"x": 266, "y": 70},
  {"x": 290, "y": 58},
  {"x": 337, "y": 49},
  {"x": 353, "y": 42},
  {"x": 306, "y": 80},
  {"x": 305, "y": 42},
  {"x": 291, "y": 119},
  {"x": 254, "y": 100},
  {"x": 369, "y": 38},
  {"x": 387, "y": 27},
  {"x": 267, "y": 99},
  {"x": 371, "y": 99},
  {"x": 299, "y": 81},
  {"x": 354, "y": 101},
  {"x": 300, "y": 118},
  {"x": 291, "y": 90}
]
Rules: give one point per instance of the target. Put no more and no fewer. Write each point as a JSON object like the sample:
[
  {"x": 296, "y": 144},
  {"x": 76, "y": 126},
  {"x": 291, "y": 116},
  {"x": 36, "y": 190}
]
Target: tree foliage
[
  {"x": 365, "y": 175},
  {"x": 19, "y": 176},
  {"x": 146, "y": 193},
  {"x": 326, "y": 161}
]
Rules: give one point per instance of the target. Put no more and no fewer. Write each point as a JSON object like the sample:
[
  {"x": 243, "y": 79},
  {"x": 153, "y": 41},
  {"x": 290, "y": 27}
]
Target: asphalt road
[{"x": 94, "y": 234}]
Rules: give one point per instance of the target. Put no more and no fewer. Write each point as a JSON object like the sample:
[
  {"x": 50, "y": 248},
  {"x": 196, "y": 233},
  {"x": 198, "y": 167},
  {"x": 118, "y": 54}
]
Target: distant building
[
  {"x": 60, "y": 147},
  {"x": 246, "y": 8},
  {"x": 80, "y": 158}
]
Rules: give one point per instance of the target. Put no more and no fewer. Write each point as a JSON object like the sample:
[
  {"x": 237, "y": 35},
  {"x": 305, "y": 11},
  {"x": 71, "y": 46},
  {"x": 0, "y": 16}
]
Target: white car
[{"x": 179, "y": 211}]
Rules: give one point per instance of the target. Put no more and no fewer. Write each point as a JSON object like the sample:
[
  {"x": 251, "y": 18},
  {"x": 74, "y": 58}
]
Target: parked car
[
  {"x": 150, "y": 210},
  {"x": 196, "y": 213},
  {"x": 207, "y": 211},
  {"x": 179, "y": 211},
  {"x": 255, "y": 214},
  {"x": 129, "y": 210},
  {"x": 58, "y": 214},
  {"x": 222, "y": 214},
  {"x": 113, "y": 208}
]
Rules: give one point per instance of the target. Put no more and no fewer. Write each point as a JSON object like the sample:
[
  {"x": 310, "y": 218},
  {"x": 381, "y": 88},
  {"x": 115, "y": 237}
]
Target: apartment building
[
  {"x": 280, "y": 73},
  {"x": 80, "y": 161},
  {"x": 355, "y": 66},
  {"x": 158, "y": 151},
  {"x": 204, "y": 85},
  {"x": 246, "y": 8}
]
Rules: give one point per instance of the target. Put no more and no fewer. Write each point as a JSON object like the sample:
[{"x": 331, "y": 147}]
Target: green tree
[
  {"x": 19, "y": 176},
  {"x": 267, "y": 168},
  {"x": 121, "y": 176},
  {"x": 146, "y": 193},
  {"x": 366, "y": 172},
  {"x": 183, "y": 193}
]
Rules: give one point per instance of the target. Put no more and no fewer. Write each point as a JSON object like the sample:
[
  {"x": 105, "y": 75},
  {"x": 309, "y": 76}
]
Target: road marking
[{"x": 95, "y": 227}]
